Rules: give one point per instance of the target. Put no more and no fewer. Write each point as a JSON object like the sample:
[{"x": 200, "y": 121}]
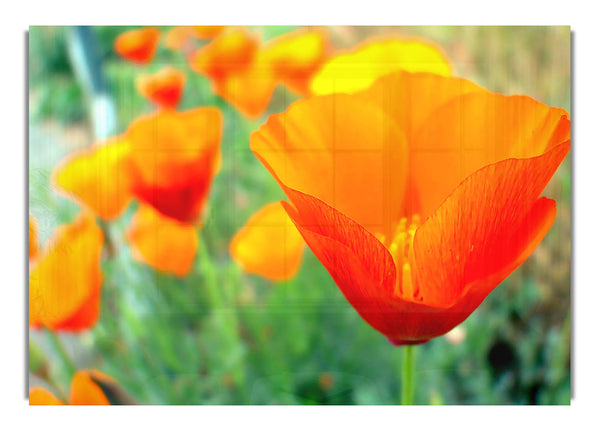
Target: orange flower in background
[
  {"x": 296, "y": 56},
  {"x": 97, "y": 177},
  {"x": 177, "y": 38},
  {"x": 162, "y": 242},
  {"x": 163, "y": 88},
  {"x": 65, "y": 281},
  {"x": 137, "y": 45},
  {"x": 358, "y": 67},
  {"x": 233, "y": 50},
  {"x": 238, "y": 69},
  {"x": 268, "y": 244},
  {"x": 34, "y": 242},
  {"x": 420, "y": 195},
  {"x": 173, "y": 159},
  {"x": 43, "y": 397},
  {"x": 205, "y": 31},
  {"x": 249, "y": 90},
  {"x": 88, "y": 387}
]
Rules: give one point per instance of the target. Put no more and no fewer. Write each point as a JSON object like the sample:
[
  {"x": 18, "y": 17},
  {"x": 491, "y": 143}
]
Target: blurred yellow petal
[
  {"x": 162, "y": 242},
  {"x": 65, "y": 282},
  {"x": 296, "y": 56},
  {"x": 34, "y": 242},
  {"x": 356, "y": 69},
  {"x": 269, "y": 244},
  {"x": 97, "y": 177},
  {"x": 42, "y": 397},
  {"x": 84, "y": 392}
]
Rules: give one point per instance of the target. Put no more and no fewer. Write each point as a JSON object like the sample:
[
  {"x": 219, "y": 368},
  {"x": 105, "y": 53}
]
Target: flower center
[{"x": 401, "y": 249}]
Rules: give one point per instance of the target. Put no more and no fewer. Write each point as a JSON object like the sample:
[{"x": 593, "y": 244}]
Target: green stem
[
  {"x": 58, "y": 347},
  {"x": 408, "y": 374},
  {"x": 227, "y": 321}
]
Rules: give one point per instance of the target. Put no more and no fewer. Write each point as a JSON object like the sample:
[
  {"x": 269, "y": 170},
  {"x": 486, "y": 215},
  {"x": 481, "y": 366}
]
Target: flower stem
[
  {"x": 408, "y": 373},
  {"x": 67, "y": 363}
]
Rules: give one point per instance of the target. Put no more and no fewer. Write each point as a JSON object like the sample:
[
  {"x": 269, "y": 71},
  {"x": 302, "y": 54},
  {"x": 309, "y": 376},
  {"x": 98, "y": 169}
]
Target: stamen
[{"x": 401, "y": 251}]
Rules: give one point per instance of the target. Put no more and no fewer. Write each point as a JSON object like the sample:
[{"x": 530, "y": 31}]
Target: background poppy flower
[
  {"x": 163, "y": 87},
  {"x": 205, "y": 31},
  {"x": 231, "y": 51},
  {"x": 296, "y": 56},
  {"x": 249, "y": 90},
  {"x": 137, "y": 45},
  {"x": 268, "y": 244},
  {"x": 34, "y": 242},
  {"x": 88, "y": 387},
  {"x": 97, "y": 177},
  {"x": 162, "y": 242},
  {"x": 65, "y": 280},
  {"x": 238, "y": 69},
  {"x": 43, "y": 397},
  {"x": 417, "y": 217},
  {"x": 174, "y": 156},
  {"x": 358, "y": 67}
]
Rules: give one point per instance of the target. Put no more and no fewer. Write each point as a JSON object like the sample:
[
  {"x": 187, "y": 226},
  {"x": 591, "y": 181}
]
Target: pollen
[{"x": 401, "y": 249}]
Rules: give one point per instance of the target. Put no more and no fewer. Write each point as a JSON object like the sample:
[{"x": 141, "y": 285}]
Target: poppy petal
[
  {"x": 268, "y": 244},
  {"x": 356, "y": 69},
  {"x": 137, "y": 45},
  {"x": 163, "y": 88},
  {"x": 445, "y": 150},
  {"x": 34, "y": 242},
  {"x": 84, "y": 392},
  {"x": 42, "y": 397},
  {"x": 97, "y": 177},
  {"x": 230, "y": 51},
  {"x": 249, "y": 89},
  {"x": 471, "y": 226},
  {"x": 162, "y": 242},
  {"x": 362, "y": 268},
  {"x": 174, "y": 158},
  {"x": 66, "y": 276},
  {"x": 410, "y": 98},
  {"x": 342, "y": 150},
  {"x": 205, "y": 31},
  {"x": 296, "y": 56}
]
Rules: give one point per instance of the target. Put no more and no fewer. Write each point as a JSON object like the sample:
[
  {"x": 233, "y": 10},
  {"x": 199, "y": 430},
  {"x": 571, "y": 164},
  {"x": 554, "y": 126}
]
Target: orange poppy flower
[
  {"x": 177, "y": 37},
  {"x": 238, "y": 69},
  {"x": 268, "y": 244},
  {"x": 205, "y": 31},
  {"x": 296, "y": 56},
  {"x": 249, "y": 90},
  {"x": 88, "y": 387},
  {"x": 359, "y": 67},
  {"x": 138, "y": 46},
  {"x": 173, "y": 159},
  {"x": 97, "y": 177},
  {"x": 233, "y": 50},
  {"x": 163, "y": 88},
  {"x": 421, "y": 207},
  {"x": 43, "y": 397},
  {"x": 34, "y": 242},
  {"x": 65, "y": 281},
  {"x": 162, "y": 242}
]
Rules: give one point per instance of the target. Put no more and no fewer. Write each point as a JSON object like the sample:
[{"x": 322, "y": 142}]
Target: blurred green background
[{"x": 221, "y": 336}]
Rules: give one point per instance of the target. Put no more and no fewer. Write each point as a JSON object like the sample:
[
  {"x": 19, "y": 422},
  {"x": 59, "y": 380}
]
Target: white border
[{"x": 586, "y": 155}]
